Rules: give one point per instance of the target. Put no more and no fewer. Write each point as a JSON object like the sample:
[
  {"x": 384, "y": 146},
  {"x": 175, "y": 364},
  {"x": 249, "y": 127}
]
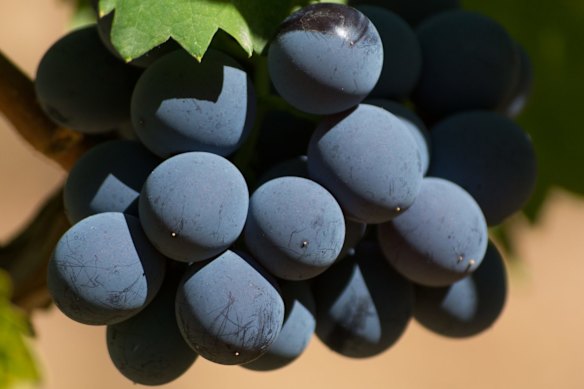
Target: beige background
[{"x": 537, "y": 343}]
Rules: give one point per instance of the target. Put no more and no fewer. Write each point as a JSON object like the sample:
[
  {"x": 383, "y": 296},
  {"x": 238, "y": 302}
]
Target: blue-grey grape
[
  {"x": 297, "y": 330},
  {"x": 413, "y": 123},
  {"x": 148, "y": 348},
  {"x": 81, "y": 86},
  {"x": 298, "y": 167},
  {"x": 194, "y": 206},
  {"x": 470, "y": 56},
  {"x": 469, "y": 306},
  {"x": 369, "y": 161},
  {"x": 325, "y": 58},
  {"x": 402, "y": 56},
  {"x": 413, "y": 11},
  {"x": 295, "y": 228},
  {"x": 363, "y": 305},
  {"x": 181, "y": 105},
  {"x": 227, "y": 311},
  {"x": 442, "y": 237},
  {"x": 488, "y": 155},
  {"x": 108, "y": 178},
  {"x": 104, "y": 270}
]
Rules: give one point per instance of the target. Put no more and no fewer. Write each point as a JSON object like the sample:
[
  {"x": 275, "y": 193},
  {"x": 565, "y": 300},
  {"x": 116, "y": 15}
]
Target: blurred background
[{"x": 537, "y": 343}]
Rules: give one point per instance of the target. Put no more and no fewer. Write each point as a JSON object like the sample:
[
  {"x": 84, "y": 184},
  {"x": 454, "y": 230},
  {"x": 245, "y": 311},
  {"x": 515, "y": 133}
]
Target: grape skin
[
  {"x": 227, "y": 311},
  {"x": 108, "y": 178},
  {"x": 194, "y": 206},
  {"x": 488, "y": 155},
  {"x": 81, "y": 86},
  {"x": 363, "y": 305},
  {"x": 148, "y": 348},
  {"x": 181, "y": 105},
  {"x": 295, "y": 228},
  {"x": 441, "y": 239},
  {"x": 104, "y": 270},
  {"x": 297, "y": 330},
  {"x": 369, "y": 161},
  {"x": 469, "y": 306},
  {"x": 469, "y": 55},
  {"x": 413, "y": 123},
  {"x": 325, "y": 58},
  {"x": 402, "y": 56}
]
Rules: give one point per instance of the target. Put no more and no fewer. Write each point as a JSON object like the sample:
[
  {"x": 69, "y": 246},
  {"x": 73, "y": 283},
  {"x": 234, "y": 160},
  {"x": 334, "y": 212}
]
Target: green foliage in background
[
  {"x": 552, "y": 33},
  {"x": 16, "y": 362}
]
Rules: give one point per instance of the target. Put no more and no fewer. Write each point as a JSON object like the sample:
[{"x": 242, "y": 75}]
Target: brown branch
[
  {"x": 19, "y": 105},
  {"x": 26, "y": 257}
]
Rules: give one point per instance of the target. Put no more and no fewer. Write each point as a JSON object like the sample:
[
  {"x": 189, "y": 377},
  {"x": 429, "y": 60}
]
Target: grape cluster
[{"x": 366, "y": 200}]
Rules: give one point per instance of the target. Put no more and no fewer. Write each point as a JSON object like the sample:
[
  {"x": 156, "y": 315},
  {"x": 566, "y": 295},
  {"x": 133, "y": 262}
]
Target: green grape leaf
[
  {"x": 140, "y": 25},
  {"x": 16, "y": 362}
]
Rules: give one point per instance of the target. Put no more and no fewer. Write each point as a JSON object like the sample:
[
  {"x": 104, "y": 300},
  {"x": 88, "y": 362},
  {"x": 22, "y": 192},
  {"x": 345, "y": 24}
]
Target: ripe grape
[
  {"x": 194, "y": 206},
  {"x": 442, "y": 237},
  {"x": 104, "y": 270},
  {"x": 181, "y": 105},
  {"x": 295, "y": 228},
  {"x": 369, "y": 161},
  {"x": 363, "y": 305},
  {"x": 468, "y": 55},
  {"x": 227, "y": 311},
  {"x": 488, "y": 155},
  {"x": 468, "y": 306},
  {"x": 325, "y": 58},
  {"x": 81, "y": 86}
]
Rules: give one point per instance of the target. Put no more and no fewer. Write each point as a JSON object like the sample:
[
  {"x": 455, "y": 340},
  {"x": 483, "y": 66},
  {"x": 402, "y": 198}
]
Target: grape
[
  {"x": 369, "y": 161},
  {"x": 363, "y": 305},
  {"x": 227, "y": 311},
  {"x": 490, "y": 157},
  {"x": 413, "y": 123},
  {"x": 468, "y": 306},
  {"x": 325, "y": 58},
  {"x": 413, "y": 11},
  {"x": 104, "y": 270},
  {"x": 469, "y": 63},
  {"x": 402, "y": 57},
  {"x": 515, "y": 102},
  {"x": 440, "y": 239},
  {"x": 295, "y": 228},
  {"x": 148, "y": 348},
  {"x": 181, "y": 105},
  {"x": 108, "y": 178},
  {"x": 194, "y": 206},
  {"x": 297, "y": 330},
  {"x": 81, "y": 86}
]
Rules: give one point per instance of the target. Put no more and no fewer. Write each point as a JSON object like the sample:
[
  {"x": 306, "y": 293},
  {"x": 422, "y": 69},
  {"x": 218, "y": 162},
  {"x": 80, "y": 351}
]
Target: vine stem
[{"x": 19, "y": 105}]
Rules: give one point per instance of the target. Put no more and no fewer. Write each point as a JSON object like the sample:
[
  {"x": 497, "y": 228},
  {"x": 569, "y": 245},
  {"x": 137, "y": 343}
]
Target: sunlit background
[{"x": 537, "y": 343}]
